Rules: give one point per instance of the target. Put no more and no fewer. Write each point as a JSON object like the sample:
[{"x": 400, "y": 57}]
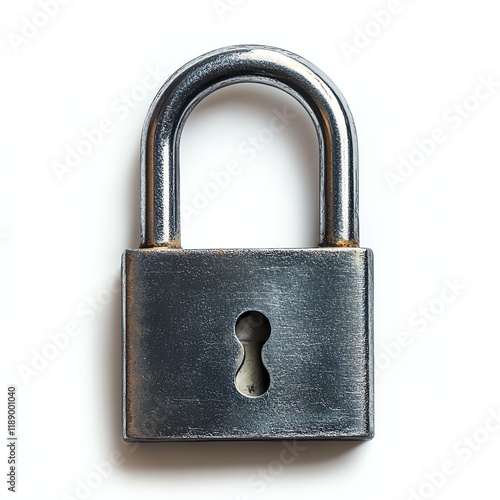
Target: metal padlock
[{"x": 191, "y": 317}]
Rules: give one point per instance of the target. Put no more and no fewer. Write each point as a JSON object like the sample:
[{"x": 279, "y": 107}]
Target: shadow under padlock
[{"x": 308, "y": 374}]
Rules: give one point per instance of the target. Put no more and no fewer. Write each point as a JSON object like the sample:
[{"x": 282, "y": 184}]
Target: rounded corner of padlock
[
  {"x": 127, "y": 438},
  {"x": 370, "y": 432}
]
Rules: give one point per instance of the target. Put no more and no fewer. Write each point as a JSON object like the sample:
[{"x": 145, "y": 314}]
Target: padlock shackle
[{"x": 160, "y": 196}]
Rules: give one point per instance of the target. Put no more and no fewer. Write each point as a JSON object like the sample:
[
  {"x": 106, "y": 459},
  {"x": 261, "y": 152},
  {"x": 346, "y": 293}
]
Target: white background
[{"x": 433, "y": 229}]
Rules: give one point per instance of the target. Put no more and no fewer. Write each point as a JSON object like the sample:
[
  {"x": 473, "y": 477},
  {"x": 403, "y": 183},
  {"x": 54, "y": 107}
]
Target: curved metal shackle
[{"x": 160, "y": 203}]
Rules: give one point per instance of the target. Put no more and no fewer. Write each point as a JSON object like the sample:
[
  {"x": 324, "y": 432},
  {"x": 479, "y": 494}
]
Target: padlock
[{"x": 248, "y": 343}]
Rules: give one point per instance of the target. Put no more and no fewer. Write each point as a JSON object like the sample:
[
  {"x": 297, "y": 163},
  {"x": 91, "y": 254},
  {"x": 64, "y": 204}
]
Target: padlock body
[{"x": 181, "y": 353}]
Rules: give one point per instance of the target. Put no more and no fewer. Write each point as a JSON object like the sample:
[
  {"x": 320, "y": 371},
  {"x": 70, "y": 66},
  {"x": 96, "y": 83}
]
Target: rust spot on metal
[
  {"x": 167, "y": 245},
  {"x": 347, "y": 243},
  {"x": 340, "y": 244}
]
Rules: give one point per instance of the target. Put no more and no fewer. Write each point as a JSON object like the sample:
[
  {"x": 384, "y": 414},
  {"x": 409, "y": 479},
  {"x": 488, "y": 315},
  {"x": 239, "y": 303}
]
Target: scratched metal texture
[{"x": 181, "y": 353}]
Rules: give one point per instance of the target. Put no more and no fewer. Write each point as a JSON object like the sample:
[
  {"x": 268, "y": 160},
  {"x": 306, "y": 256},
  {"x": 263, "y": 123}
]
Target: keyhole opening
[{"x": 252, "y": 330}]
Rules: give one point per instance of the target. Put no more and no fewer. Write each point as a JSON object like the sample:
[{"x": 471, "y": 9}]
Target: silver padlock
[{"x": 248, "y": 343}]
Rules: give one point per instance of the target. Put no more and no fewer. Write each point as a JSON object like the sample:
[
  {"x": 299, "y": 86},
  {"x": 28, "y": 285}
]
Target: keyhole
[{"x": 253, "y": 330}]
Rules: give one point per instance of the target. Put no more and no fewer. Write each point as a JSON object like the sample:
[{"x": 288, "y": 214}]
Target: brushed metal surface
[{"x": 182, "y": 354}]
